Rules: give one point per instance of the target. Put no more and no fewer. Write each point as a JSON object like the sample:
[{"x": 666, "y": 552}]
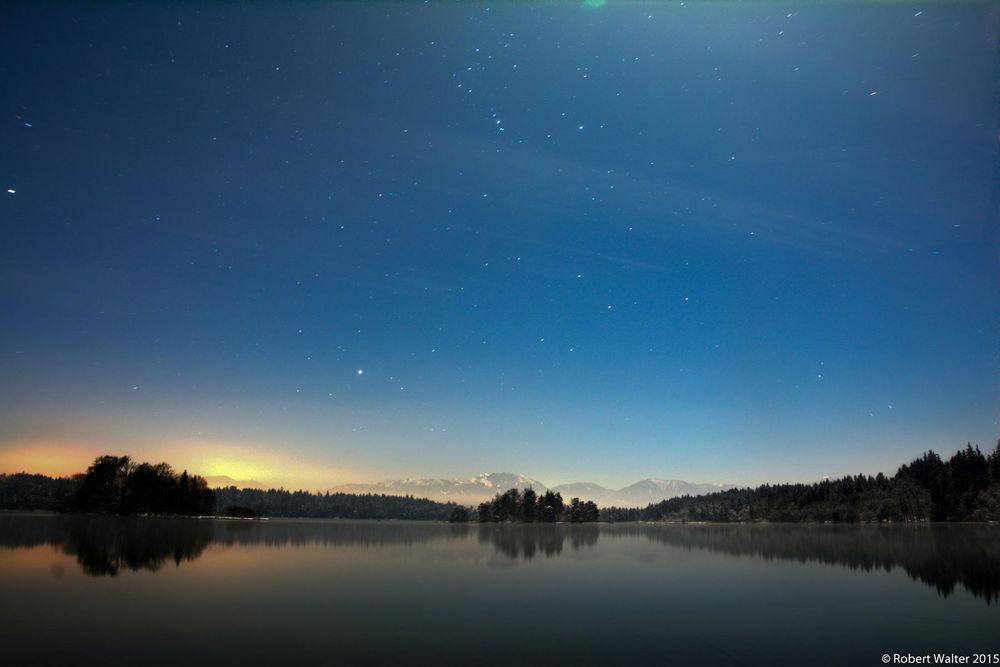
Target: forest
[
  {"x": 279, "y": 502},
  {"x": 527, "y": 506},
  {"x": 111, "y": 485},
  {"x": 966, "y": 487},
  {"x": 119, "y": 485}
]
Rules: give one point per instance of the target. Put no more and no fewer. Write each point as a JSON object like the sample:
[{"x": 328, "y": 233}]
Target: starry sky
[{"x": 327, "y": 242}]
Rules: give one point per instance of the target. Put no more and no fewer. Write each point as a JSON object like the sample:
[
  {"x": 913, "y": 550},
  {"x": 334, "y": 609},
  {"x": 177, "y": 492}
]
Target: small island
[{"x": 527, "y": 506}]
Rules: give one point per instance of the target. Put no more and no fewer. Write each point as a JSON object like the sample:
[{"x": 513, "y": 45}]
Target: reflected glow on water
[{"x": 376, "y": 592}]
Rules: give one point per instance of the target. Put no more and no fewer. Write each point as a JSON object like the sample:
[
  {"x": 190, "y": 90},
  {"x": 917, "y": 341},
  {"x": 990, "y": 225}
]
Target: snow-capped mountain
[
  {"x": 463, "y": 490},
  {"x": 640, "y": 494},
  {"x": 582, "y": 490},
  {"x": 474, "y": 490},
  {"x": 650, "y": 490}
]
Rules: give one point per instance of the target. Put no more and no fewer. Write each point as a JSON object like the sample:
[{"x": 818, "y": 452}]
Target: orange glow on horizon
[
  {"x": 242, "y": 462},
  {"x": 48, "y": 457}
]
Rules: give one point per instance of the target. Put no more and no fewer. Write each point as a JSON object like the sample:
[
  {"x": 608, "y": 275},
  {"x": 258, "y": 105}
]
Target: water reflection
[
  {"x": 527, "y": 541},
  {"x": 104, "y": 546},
  {"x": 938, "y": 555},
  {"x": 941, "y": 556}
]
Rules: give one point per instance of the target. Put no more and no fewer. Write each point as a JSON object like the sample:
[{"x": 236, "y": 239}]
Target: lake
[{"x": 86, "y": 589}]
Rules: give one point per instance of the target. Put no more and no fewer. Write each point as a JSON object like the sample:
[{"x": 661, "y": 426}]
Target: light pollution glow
[
  {"x": 203, "y": 457},
  {"x": 702, "y": 241}
]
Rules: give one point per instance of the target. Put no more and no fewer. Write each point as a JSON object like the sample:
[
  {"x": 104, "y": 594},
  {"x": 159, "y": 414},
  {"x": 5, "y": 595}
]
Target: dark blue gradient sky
[{"x": 718, "y": 242}]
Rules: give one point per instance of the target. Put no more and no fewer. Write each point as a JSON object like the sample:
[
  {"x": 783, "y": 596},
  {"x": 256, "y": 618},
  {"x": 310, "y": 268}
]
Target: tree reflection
[
  {"x": 105, "y": 545},
  {"x": 939, "y": 555},
  {"x": 528, "y": 540}
]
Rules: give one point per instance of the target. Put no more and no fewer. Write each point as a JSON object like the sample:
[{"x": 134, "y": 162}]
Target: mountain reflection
[{"x": 941, "y": 556}]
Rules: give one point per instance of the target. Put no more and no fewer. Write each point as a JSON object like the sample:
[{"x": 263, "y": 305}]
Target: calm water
[{"x": 169, "y": 591}]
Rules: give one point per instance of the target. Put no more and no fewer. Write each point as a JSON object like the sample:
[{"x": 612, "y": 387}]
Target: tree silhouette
[
  {"x": 964, "y": 488},
  {"x": 529, "y": 507}
]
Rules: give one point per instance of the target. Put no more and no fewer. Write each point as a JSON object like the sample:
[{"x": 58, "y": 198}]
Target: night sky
[{"x": 330, "y": 242}]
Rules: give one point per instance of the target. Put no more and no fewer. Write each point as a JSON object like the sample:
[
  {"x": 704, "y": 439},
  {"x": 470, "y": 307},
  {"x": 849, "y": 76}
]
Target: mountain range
[
  {"x": 474, "y": 490},
  {"x": 225, "y": 481}
]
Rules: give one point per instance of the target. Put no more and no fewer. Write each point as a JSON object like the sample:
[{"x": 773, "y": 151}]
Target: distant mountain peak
[
  {"x": 223, "y": 481},
  {"x": 463, "y": 490},
  {"x": 474, "y": 490}
]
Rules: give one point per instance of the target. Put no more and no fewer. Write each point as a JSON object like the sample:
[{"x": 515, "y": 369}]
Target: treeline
[
  {"x": 282, "y": 503},
  {"x": 966, "y": 487},
  {"x": 111, "y": 485},
  {"x": 528, "y": 507},
  {"x": 29, "y": 491},
  {"x": 119, "y": 485}
]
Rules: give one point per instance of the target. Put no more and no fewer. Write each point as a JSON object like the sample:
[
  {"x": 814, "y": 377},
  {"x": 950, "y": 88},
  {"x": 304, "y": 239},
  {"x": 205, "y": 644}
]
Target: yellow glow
[
  {"x": 241, "y": 461},
  {"x": 244, "y": 461},
  {"x": 244, "y": 470},
  {"x": 48, "y": 457}
]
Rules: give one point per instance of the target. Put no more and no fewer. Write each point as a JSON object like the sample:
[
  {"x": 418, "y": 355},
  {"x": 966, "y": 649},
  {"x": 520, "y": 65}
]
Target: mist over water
[{"x": 297, "y": 592}]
